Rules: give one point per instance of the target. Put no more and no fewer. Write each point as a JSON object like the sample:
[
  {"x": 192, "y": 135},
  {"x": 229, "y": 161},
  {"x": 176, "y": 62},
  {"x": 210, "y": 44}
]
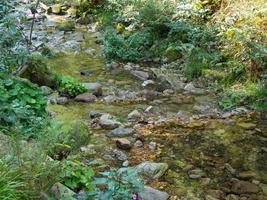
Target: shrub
[
  {"x": 68, "y": 87},
  {"x": 22, "y": 105}
]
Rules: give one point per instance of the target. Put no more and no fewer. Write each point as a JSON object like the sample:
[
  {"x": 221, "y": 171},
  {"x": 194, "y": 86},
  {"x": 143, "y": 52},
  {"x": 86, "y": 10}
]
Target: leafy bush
[
  {"x": 67, "y": 86},
  {"x": 22, "y": 105},
  {"x": 77, "y": 175}
]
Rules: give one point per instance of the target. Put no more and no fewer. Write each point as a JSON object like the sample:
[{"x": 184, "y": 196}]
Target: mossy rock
[
  {"x": 72, "y": 11},
  {"x": 173, "y": 54},
  {"x": 56, "y": 9},
  {"x": 66, "y": 26}
]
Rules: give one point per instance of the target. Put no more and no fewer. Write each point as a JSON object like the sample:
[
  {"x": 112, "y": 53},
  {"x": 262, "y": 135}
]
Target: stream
[{"x": 209, "y": 156}]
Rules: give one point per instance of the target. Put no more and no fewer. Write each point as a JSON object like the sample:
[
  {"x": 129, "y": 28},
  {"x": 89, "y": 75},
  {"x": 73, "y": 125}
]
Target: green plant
[
  {"x": 67, "y": 86},
  {"x": 77, "y": 175},
  {"x": 9, "y": 183},
  {"x": 22, "y": 105},
  {"x": 119, "y": 185}
]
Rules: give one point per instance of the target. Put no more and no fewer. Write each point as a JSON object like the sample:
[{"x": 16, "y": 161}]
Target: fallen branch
[{"x": 34, "y": 17}]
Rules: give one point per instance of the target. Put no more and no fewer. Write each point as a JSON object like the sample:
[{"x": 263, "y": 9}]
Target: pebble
[
  {"x": 152, "y": 146},
  {"x": 123, "y": 143},
  {"x": 119, "y": 155}
]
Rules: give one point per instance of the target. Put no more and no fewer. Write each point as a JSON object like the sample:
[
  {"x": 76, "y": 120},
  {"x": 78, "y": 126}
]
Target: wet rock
[
  {"x": 148, "y": 83},
  {"x": 149, "y": 171},
  {"x": 95, "y": 88},
  {"x": 148, "y": 109},
  {"x": 229, "y": 168},
  {"x": 119, "y": 155},
  {"x": 196, "y": 174},
  {"x": 246, "y": 175},
  {"x": 138, "y": 144},
  {"x": 108, "y": 122},
  {"x": 56, "y": 9},
  {"x": 86, "y": 73},
  {"x": 232, "y": 197},
  {"x": 125, "y": 163},
  {"x": 190, "y": 88},
  {"x": 153, "y": 194},
  {"x": 124, "y": 144},
  {"x": 152, "y": 146},
  {"x": 134, "y": 115},
  {"x": 61, "y": 192},
  {"x": 121, "y": 132},
  {"x": 95, "y": 114},
  {"x": 244, "y": 187},
  {"x": 111, "y": 99},
  {"x": 141, "y": 75},
  {"x": 60, "y": 101},
  {"x": 86, "y": 98},
  {"x": 46, "y": 90}
]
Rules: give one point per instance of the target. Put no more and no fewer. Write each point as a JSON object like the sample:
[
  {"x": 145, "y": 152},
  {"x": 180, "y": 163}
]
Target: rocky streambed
[{"x": 149, "y": 117}]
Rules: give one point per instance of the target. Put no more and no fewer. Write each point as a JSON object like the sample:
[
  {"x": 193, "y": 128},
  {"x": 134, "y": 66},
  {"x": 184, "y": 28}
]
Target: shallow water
[{"x": 205, "y": 144}]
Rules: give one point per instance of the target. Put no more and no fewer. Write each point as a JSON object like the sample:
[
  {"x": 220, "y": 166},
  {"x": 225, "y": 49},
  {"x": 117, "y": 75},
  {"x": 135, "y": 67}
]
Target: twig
[{"x": 34, "y": 16}]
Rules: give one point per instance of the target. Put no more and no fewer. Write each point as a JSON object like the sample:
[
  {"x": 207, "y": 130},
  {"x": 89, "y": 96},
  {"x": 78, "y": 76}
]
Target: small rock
[
  {"x": 56, "y": 9},
  {"x": 246, "y": 175},
  {"x": 141, "y": 75},
  {"x": 95, "y": 114},
  {"x": 244, "y": 187},
  {"x": 111, "y": 99},
  {"x": 119, "y": 155},
  {"x": 123, "y": 143},
  {"x": 61, "y": 192},
  {"x": 149, "y": 171},
  {"x": 232, "y": 197},
  {"x": 148, "y": 109},
  {"x": 61, "y": 100},
  {"x": 168, "y": 92},
  {"x": 125, "y": 163},
  {"x": 135, "y": 115},
  {"x": 152, "y": 146},
  {"x": 85, "y": 97},
  {"x": 192, "y": 89},
  {"x": 138, "y": 144},
  {"x": 209, "y": 197},
  {"x": 95, "y": 88},
  {"x": 108, "y": 157},
  {"x": 86, "y": 73},
  {"x": 46, "y": 90},
  {"x": 108, "y": 122},
  {"x": 196, "y": 174},
  {"x": 217, "y": 194},
  {"x": 148, "y": 83},
  {"x": 229, "y": 168},
  {"x": 121, "y": 132},
  {"x": 153, "y": 194}
]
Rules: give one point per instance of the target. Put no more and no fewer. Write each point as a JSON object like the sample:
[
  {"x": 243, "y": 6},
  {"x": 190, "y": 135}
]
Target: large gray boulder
[
  {"x": 153, "y": 194},
  {"x": 149, "y": 171}
]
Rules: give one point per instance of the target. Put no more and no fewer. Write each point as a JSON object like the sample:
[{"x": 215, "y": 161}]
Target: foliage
[
  {"x": 119, "y": 185},
  {"x": 77, "y": 175},
  {"x": 9, "y": 182},
  {"x": 22, "y": 105},
  {"x": 67, "y": 86}
]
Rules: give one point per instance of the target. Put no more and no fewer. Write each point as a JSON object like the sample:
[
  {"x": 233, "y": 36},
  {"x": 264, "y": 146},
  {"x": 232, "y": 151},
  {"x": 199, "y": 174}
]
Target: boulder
[
  {"x": 153, "y": 194},
  {"x": 149, "y": 171},
  {"x": 123, "y": 143},
  {"x": 61, "y": 192},
  {"x": 244, "y": 187},
  {"x": 95, "y": 114},
  {"x": 108, "y": 122},
  {"x": 95, "y": 88},
  {"x": 86, "y": 98},
  {"x": 121, "y": 132}
]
